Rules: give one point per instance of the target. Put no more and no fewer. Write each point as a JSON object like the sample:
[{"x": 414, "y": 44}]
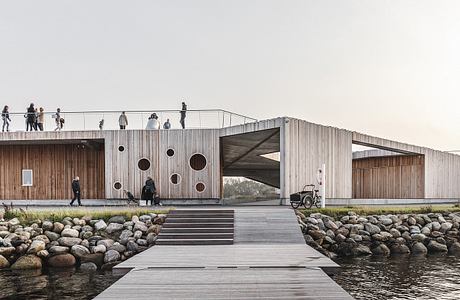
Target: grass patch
[
  {"x": 27, "y": 216},
  {"x": 338, "y": 212}
]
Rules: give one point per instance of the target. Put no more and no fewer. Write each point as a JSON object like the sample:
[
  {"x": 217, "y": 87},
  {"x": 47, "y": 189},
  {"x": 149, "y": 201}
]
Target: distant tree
[{"x": 245, "y": 188}]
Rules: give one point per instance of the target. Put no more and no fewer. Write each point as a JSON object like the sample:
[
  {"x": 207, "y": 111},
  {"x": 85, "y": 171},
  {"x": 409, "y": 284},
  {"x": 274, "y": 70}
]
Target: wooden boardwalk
[{"x": 269, "y": 260}]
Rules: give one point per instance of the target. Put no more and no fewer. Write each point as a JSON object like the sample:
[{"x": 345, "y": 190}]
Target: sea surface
[
  {"x": 400, "y": 277},
  {"x": 54, "y": 284},
  {"x": 397, "y": 277}
]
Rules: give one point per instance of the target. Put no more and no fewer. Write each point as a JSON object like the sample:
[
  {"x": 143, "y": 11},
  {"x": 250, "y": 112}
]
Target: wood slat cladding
[
  {"x": 153, "y": 145},
  {"x": 389, "y": 177},
  {"x": 54, "y": 167}
]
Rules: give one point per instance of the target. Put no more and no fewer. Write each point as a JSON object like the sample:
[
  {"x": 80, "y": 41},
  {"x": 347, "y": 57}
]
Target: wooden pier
[{"x": 267, "y": 260}]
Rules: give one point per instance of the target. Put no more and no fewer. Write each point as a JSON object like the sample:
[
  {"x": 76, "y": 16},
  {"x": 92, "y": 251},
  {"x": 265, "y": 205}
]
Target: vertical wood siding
[
  {"x": 54, "y": 167},
  {"x": 307, "y": 147},
  {"x": 389, "y": 177}
]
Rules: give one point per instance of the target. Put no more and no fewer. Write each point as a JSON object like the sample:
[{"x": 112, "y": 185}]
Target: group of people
[
  {"x": 35, "y": 118},
  {"x": 149, "y": 192},
  {"x": 152, "y": 122}
]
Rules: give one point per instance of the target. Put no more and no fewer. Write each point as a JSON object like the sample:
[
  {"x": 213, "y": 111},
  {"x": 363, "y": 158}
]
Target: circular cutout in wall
[
  {"x": 175, "y": 178},
  {"x": 200, "y": 187},
  {"x": 121, "y": 148},
  {"x": 170, "y": 152},
  {"x": 143, "y": 164},
  {"x": 197, "y": 162},
  {"x": 117, "y": 185}
]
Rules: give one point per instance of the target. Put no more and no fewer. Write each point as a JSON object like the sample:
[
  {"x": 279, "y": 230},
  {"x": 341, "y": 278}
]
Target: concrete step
[
  {"x": 194, "y": 242},
  {"x": 188, "y": 211},
  {"x": 188, "y": 236},
  {"x": 196, "y": 230},
  {"x": 172, "y": 219},
  {"x": 200, "y": 215},
  {"x": 197, "y": 225}
]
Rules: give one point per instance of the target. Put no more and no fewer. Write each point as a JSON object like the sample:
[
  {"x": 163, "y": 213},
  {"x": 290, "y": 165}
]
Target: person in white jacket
[
  {"x": 123, "y": 120},
  {"x": 153, "y": 123}
]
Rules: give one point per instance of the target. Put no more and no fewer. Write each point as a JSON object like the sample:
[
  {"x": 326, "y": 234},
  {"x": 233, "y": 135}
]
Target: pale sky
[{"x": 386, "y": 68}]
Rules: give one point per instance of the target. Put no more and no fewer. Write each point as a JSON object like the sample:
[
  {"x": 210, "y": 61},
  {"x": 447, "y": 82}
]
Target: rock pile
[
  {"x": 87, "y": 242},
  {"x": 355, "y": 235}
]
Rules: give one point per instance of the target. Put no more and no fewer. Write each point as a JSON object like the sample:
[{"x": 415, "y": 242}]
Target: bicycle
[
  {"x": 306, "y": 197},
  {"x": 131, "y": 199}
]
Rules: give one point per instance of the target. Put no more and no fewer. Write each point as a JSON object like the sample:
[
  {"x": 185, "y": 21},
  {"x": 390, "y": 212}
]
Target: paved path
[{"x": 269, "y": 260}]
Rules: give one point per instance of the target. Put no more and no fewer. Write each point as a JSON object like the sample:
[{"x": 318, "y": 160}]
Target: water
[
  {"x": 400, "y": 277},
  {"x": 53, "y": 284},
  {"x": 397, "y": 277}
]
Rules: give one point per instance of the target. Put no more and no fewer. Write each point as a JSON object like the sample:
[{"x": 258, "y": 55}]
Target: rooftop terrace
[{"x": 137, "y": 119}]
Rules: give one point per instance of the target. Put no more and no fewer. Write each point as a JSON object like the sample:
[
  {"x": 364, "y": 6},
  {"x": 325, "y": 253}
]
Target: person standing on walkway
[
  {"x": 182, "y": 115},
  {"x": 76, "y": 191},
  {"x": 30, "y": 117},
  {"x": 167, "y": 125},
  {"x": 41, "y": 119},
  {"x": 6, "y": 119},
  {"x": 123, "y": 120}
]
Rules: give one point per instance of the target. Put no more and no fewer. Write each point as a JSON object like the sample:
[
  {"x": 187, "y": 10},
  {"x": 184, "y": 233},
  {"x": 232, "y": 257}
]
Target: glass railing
[{"x": 91, "y": 120}]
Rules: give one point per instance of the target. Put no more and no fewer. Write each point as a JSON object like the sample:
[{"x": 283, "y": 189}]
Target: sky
[{"x": 385, "y": 68}]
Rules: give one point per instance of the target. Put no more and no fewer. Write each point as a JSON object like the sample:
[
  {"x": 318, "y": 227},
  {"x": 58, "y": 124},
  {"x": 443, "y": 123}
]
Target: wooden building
[{"x": 190, "y": 163}]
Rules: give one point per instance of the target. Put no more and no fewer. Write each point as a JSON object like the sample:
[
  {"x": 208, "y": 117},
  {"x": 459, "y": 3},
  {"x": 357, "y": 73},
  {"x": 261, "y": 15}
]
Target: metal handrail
[{"x": 85, "y": 120}]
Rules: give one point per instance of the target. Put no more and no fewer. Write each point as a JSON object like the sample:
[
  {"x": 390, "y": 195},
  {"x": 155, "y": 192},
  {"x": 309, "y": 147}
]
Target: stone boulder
[
  {"x": 381, "y": 250},
  {"x": 59, "y": 249},
  {"x": 399, "y": 249},
  {"x": 97, "y": 258},
  {"x": 69, "y": 241},
  {"x": 36, "y": 246},
  {"x": 88, "y": 267},
  {"x": 69, "y": 232},
  {"x": 111, "y": 256},
  {"x": 27, "y": 262},
  {"x": 99, "y": 249},
  {"x": 100, "y": 225},
  {"x": 4, "y": 263},
  {"x": 52, "y": 236},
  {"x": 371, "y": 228},
  {"x": 79, "y": 251},
  {"x": 419, "y": 248},
  {"x": 62, "y": 260},
  {"x": 58, "y": 227},
  {"x": 106, "y": 242},
  {"x": 7, "y": 251},
  {"x": 117, "y": 219},
  {"x": 114, "y": 227},
  {"x": 434, "y": 246},
  {"x": 455, "y": 248},
  {"x": 140, "y": 226}
]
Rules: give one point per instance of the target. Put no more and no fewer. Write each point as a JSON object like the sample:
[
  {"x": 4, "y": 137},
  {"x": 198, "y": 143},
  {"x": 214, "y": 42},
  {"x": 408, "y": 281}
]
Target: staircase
[{"x": 197, "y": 227}]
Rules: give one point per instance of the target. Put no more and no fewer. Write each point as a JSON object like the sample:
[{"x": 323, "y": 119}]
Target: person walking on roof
[
  {"x": 76, "y": 191},
  {"x": 123, "y": 120},
  {"x": 57, "y": 118},
  {"x": 30, "y": 117},
  {"x": 41, "y": 119},
  {"x": 167, "y": 125},
  {"x": 6, "y": 119},
  {"x": 182, "y": 115}
]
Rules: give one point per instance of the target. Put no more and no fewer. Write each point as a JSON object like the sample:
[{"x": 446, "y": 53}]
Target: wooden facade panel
[
  {"x": 388, "y": 177},
  {"x": 53, "y": 167},
  {"x": 307, "y": 147},
  {"x": 153, "y": 145}
]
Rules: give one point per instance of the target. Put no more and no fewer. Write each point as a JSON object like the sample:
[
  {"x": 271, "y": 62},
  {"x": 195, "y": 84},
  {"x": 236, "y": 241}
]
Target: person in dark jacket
[
  {"x": 149, "y": 191},
  {"x": 76, "y": 191},
  {"x": 6, "y": 118},
  {"x": 30, "y": 117},
  {"x": 182, "y": 115}
]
